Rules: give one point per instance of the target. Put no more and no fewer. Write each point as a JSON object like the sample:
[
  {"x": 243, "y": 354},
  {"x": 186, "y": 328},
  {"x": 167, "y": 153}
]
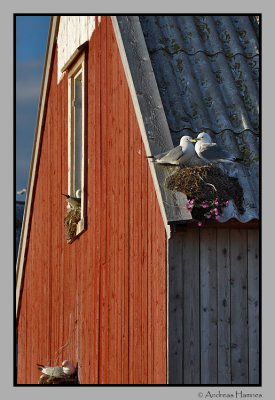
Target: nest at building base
[
  {"x": 51, "y": 380},
  {"x": 208, "y": 190},
  {"x": 70, "y": 222}
]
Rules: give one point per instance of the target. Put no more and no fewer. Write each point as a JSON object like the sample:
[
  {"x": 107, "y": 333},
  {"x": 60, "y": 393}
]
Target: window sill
[{"x": 80, "y": 227}]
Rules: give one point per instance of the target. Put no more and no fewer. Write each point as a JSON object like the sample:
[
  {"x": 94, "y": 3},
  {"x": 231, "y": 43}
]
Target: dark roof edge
[
  {"x": 149, "y": 111},
  {"x": 229, "y": 224}
]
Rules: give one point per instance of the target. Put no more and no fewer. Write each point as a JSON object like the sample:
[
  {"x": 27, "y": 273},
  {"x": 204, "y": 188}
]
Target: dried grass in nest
[
  {"x": 66, "y": 380},
  {"x": 70, "y": 222},
  {"x": 207, "y": 183}
]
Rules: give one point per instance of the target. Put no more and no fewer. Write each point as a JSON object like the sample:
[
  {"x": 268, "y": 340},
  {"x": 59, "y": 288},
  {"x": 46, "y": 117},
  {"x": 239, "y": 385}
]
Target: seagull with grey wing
[
  {"x": 178, "y": 155},
  {"x": 66, "y": 369},
  {"x": 22, "y": 191},
  {"x": 211, "y": 152},
  {"x": 74, "y": 201}
]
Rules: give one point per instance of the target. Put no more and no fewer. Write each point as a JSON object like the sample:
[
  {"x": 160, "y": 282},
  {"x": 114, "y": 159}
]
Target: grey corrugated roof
[{"x": 207, "y": 71}]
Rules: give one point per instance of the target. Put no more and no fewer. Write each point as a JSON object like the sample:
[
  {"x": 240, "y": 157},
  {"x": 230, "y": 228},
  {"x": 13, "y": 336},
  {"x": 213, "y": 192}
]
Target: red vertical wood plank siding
[
  {"x": 104, "y": 241},
  {"x": 100, "y": 301},
  {"x": 144, "y": 264},
  {"x": 126, "y": 233},
  {"x": 159, "y": 301},
  {"x": 112, "y": 193},
  {"x": 64, "y": 185},
  {"x": 150, "y": 260}
]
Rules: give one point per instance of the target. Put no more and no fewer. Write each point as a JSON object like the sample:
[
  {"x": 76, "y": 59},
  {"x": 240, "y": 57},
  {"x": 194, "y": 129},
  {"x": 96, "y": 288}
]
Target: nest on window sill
[
  {"x": 51, "y": 380},
  {"x": 70, "y": 222},
  {"x": 205, "y": 183}
]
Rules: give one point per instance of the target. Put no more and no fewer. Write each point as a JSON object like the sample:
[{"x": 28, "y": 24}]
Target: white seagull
[
  {"x": 21, "y": 191},
  {"x": 73, "y": 201},
  {"x": 66, "y": 369},
  {"x": 178, "y": 155},
  {"x": 211, "y": 152}
]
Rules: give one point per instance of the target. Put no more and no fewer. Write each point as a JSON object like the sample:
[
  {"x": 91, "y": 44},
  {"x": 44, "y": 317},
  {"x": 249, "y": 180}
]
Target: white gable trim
[
  {"x": 150, "y": 113},
  {"x": 34, "y": 161},
  {"x": 139, "y": 115}
]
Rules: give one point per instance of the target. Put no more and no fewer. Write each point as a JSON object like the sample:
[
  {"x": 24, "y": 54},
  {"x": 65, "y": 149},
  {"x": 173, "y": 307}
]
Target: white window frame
[{"x": 77, "y": 68}]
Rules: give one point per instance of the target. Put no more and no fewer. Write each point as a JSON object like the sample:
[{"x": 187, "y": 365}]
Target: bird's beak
[{"x": 195, "y": 140}]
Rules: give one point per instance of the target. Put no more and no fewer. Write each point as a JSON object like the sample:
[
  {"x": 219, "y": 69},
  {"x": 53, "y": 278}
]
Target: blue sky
[{"x": 31, "y": 43}]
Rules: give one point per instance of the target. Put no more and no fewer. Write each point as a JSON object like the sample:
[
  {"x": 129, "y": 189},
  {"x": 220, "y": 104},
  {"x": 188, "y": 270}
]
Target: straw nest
[
  {"x": 205, "y": 184},
  {"x": 70, "y": 222},
  {"x": 51, "y": 380}
]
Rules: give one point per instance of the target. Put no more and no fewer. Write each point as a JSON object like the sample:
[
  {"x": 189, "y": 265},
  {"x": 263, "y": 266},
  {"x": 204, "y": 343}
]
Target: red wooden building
[{"x": 140, "y": 296}]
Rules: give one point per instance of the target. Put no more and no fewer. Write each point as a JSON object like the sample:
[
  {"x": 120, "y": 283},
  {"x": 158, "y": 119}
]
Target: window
[{"x": 76, "y": 135}]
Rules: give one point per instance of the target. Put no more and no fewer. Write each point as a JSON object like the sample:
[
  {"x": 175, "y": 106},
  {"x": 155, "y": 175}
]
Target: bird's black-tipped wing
[
  {"x": 213, "y": 152},
  {"x": 171, "y": 156}
]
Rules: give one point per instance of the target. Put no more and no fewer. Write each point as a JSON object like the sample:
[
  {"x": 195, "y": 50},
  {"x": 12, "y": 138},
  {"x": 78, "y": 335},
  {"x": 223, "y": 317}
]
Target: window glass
[{"x": 77, "y": 181}]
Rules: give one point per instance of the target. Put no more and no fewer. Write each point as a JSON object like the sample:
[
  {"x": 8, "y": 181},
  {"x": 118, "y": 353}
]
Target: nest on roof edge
[
  {"x": 206, "y": 184},
  {"x": 70, "y": 222}
]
